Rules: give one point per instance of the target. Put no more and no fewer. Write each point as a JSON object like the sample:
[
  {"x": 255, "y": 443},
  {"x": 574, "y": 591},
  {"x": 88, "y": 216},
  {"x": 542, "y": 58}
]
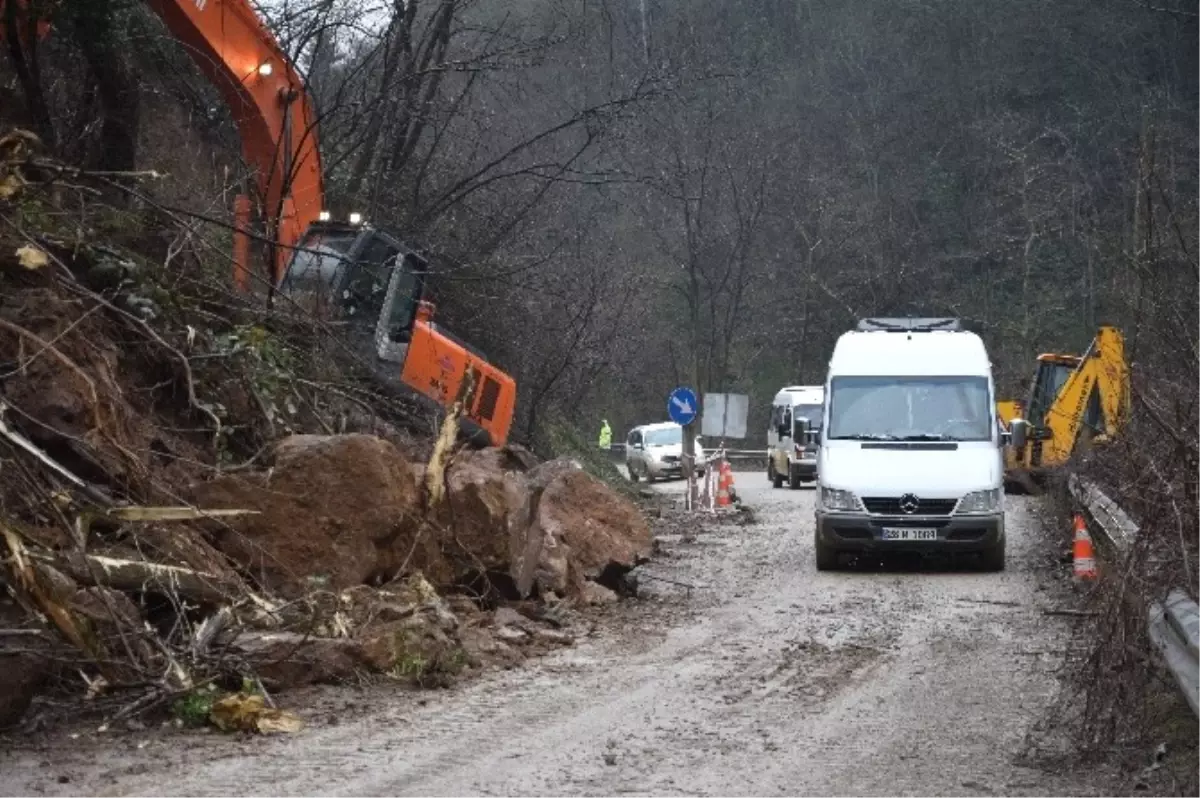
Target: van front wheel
[
  {"x": 827, "y": 557},
  {"x": 993, "y": 559}
]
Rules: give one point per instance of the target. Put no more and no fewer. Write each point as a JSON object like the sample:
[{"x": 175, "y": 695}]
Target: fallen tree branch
[
  {"x": 1071, "y": 613},
  {"x": 212, "y": 626},
  {"x": 31, "y": 586},
  {"x": 133, "y": 513},
  {"x": 21, "y": 442},
  {"x": 143, "y": 575}
]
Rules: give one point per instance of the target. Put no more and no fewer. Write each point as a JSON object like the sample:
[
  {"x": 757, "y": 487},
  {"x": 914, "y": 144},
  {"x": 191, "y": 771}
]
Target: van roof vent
[{"x": 909, "y": 324}]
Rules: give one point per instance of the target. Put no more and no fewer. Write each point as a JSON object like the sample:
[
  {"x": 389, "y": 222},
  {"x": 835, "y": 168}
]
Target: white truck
[
  {"x": 909, "y": 456},
  {"x": 788, "y": 455}
]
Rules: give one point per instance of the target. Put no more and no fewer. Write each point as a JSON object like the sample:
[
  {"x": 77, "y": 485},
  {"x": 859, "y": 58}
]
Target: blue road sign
[{"x": 682, "y": 406}]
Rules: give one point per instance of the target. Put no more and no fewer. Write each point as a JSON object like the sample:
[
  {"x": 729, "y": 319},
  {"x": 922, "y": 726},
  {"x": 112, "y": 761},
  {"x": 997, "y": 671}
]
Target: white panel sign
[{"x": 724, "y": 415}]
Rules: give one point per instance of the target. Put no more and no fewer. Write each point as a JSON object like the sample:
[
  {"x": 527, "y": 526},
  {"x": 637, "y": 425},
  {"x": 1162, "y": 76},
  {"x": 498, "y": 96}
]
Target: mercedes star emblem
[{"x": 909, "y": 503}]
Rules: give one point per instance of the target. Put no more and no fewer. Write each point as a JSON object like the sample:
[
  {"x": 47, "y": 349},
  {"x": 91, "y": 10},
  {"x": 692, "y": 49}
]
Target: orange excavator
[{"x": 371, "y": 283}]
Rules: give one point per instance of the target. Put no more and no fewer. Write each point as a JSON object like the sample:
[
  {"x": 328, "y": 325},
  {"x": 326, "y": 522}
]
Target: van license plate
[{"x": 891, "y": 533}]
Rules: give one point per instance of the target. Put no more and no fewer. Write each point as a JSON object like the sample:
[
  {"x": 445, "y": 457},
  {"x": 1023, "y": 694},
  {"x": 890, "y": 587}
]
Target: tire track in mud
[{"x": 772, "y": 679}]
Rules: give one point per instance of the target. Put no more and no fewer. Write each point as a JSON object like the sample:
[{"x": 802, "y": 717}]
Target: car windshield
[
  {"x": 666, "y": 436},
  {"x": 910, "y": 409},
  {"x": 811, "y": 413}
]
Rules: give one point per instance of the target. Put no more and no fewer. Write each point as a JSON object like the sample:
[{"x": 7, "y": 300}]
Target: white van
[
  {"x": 910, "y": 452},
  {"x": 788, "y": 456}
]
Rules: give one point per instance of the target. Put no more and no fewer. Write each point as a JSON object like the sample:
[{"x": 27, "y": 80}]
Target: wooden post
[{"x": 689, "y": 463}]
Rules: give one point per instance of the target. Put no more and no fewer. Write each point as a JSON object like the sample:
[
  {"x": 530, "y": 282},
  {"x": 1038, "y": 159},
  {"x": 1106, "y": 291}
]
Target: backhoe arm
[
  {"x": 1095, "y": 394},
  {"x": 1112, "y": 378}
]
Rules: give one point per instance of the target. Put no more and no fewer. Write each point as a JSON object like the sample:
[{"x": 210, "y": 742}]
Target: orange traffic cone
[
  {"x": 1085, "y": 557},
  {"x": 725, "y": 485}
]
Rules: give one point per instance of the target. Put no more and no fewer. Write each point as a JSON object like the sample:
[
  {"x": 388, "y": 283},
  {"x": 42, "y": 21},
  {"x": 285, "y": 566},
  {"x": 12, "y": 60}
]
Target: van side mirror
[{"x": 1018, "y": 433}]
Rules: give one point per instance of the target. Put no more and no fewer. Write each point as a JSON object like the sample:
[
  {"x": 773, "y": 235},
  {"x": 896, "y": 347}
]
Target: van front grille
[{"x": 892, "y": 506}]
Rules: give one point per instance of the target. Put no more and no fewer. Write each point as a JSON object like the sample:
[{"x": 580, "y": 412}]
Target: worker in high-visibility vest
[{"x": 605, "y": 435}]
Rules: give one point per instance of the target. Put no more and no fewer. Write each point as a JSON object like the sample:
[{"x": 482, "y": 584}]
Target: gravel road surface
[{"x": 769, "y": 678}]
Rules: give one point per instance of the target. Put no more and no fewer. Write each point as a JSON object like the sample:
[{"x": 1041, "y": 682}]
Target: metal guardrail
[
  {"x": 738, "y": 458},
  {"x": 620, "y": 447},
  {"x": 1113, "y": 522},
  {"x": 1174, "y": 628},
  {"x": 1174, "y": 624}
]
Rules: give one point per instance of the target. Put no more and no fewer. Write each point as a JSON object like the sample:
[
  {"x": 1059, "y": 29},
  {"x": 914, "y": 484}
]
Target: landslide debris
[{"x": 199, "y": 494}]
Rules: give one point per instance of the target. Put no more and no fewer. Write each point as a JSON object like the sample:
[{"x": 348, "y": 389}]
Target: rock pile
[{"x": 335, "y": 572}]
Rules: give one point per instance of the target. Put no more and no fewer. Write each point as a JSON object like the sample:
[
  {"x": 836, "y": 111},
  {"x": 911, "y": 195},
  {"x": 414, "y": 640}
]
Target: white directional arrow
[{"x": 683, "y": 404}]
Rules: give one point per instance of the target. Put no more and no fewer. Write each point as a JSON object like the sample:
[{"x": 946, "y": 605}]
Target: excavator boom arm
[
  {"x": 270, "y": 106},
  {"x": 275, "y": 117}
]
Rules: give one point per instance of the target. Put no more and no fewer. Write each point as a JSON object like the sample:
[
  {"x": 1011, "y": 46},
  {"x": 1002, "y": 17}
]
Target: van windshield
[
  {"x": 909, "y": 409},
  {"x": 667, "y": 436}
]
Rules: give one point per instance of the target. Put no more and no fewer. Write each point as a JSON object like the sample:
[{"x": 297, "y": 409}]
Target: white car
[{"x": 655, "y": 451}]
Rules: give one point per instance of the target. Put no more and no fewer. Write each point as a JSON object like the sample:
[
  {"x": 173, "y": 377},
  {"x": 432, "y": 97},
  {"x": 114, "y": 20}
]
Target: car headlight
[
  {"x": 980, "y": 501},
  {"x": 840, "y": 500}
]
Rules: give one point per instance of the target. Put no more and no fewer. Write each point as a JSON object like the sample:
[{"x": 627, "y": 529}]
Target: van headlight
[
  {"x": 980, "y": 501},
  {"x": 840, "y": 500}
]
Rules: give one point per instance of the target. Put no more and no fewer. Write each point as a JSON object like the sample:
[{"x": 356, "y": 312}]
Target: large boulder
[
  {"x": 291, "y": 659},
  {"x": 334, "y": 511},
  {"x": 484, "y": 493},
  {"x": 580, "y": 530},
  {"x": 339, "y": 511}
]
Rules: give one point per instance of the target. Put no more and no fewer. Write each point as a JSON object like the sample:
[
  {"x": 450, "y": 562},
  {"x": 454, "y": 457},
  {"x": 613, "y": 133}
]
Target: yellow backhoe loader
[{"x": 1074, "y": 402}]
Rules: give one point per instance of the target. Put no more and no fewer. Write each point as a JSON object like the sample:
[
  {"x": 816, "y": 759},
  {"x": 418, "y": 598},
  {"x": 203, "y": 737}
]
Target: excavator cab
[
  {"x": 371, "y": 287},
  {"x": 1053, "y": 372}
]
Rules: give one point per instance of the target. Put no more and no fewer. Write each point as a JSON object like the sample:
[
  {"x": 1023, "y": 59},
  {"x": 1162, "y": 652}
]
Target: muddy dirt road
[{"x": 769, "y": 679}]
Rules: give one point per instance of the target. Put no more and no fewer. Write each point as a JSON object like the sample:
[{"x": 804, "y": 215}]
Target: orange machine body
[
  {"x": 373, "y": 285},
  {"x": 437, "y": 367}
]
